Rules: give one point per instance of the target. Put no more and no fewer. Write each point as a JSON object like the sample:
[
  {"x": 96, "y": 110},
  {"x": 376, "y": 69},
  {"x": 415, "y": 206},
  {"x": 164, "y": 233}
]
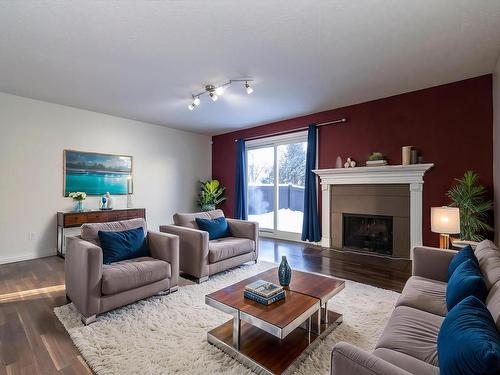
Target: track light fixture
[
  {"x": 215, "y": 91},
  {"x": 248, "y": 88}
]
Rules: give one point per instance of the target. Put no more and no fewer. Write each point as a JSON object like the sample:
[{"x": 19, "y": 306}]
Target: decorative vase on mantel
[{"x": 284, "y": 272}]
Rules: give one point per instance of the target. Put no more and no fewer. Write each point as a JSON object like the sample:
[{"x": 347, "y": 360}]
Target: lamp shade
[{"x": 445, "y": 220}]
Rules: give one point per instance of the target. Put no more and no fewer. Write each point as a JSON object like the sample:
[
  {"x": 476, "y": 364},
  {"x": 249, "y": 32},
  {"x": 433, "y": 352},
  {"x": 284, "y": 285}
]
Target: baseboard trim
[{"x": 28, "y": 256}]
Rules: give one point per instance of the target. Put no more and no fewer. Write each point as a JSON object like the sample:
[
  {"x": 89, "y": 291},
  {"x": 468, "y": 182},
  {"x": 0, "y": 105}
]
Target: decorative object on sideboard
[
  {"x": 338, "y": 162},
  {"x": 110, "y": 201},
  {"x": 445, "y": 221},
  {"x": 284, "y": 272},
  {"x": 103, "y": 203},
  {"x": 211, "y": 194},
  {"x": 215, "y": 91},
  {"x": 406, "y": 155},
  {"x": 376, "y": 159},
  {"x": 96, "y": 173},
  {"x": 78, "y": 199},
  {"x": 470, "y": 197},
  {"x": 350, "y": 163},
  {"x": 420, "y": 159}
]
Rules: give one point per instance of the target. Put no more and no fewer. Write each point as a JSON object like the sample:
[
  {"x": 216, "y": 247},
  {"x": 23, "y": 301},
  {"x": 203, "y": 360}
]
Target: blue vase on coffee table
[{"x": 284, "y": 272}]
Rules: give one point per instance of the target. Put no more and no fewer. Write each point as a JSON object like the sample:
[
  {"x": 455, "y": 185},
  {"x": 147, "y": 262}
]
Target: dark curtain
[
  {"x": 240, "y": 211},
  {"x": 310, "y": 225}
]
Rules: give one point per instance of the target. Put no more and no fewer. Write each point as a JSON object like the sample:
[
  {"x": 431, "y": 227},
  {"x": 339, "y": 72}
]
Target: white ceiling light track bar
[{"x": 215, "y": 91}]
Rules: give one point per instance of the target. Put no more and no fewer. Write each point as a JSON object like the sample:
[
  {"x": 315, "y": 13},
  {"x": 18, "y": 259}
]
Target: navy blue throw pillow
[
  {"x": 468, "y": 342},
  {"x": 459, "y": 258},
  {"x": 217, "y": 228},
  {"x": 127, "y": 244},
  {"x": 466, "y": 281}
]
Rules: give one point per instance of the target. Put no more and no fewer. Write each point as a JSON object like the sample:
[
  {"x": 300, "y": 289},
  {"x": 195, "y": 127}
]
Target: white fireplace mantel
[{"x": 413, "y": 175}]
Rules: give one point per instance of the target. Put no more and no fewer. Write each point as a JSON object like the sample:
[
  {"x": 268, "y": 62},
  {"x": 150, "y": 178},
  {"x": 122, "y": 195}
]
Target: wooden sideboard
[{"x": 68, "y": 220}]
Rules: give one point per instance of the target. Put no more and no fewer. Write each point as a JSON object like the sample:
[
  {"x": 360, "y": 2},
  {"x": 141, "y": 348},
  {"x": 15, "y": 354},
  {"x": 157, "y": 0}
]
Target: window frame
[{"x": 275, "y": 141}]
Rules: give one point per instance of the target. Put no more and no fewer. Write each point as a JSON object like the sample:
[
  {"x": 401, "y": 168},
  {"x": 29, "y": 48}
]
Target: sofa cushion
[
  {"x": 129, "y": 274},
  {"x": 216, "y": 228},
  {"x": 488, "y": 257},
  {"x": 468, "y": 342},
  {"x": 411, "y": 364},
  {"x": 127, "y": 244},
  {"x": 189, "y": 220},
  {"x": 493, "y": 303},
  {"x": 467, "y": 280},
  {"x": 424, "y": 294},
  {"x": 412, "y": 332},
  {"x": 460, "y": 257},
  {"x": 225, "y": 248},
  {"x": 89, "y": 232}
]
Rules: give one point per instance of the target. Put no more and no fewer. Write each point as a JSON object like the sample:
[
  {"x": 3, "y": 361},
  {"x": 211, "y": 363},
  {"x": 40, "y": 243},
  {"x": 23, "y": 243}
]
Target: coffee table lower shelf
[{"x": 267, "y": 354}]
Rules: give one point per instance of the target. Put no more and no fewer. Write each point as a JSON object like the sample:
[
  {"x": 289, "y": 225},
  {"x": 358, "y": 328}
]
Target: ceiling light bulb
[
  {"x": 191, "y": 107},
  {"x": 219, "y": 90},
  {"x": 196, "y": 101},
  {"x": 248, "y": 88},
  {"x": 213, "y": 96}
]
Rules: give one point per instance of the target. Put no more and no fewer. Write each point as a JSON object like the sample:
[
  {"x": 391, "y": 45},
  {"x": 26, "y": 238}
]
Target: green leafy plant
[
  {"x": 376, "y": 156},
  {"x": 469, "y": 196},
  {"x": 210, "y": 195}
]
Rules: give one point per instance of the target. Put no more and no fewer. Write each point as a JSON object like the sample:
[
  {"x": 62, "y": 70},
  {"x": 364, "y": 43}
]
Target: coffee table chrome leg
[
  {"x": 326, "y": 312},
  {"x": 236, "y": 330},
  {"x": 309, "y": 328}
]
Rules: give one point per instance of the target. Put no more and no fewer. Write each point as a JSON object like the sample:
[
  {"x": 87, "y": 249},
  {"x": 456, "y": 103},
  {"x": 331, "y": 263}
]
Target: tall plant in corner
[
  {"x": 469, "y": 196},
  {"x": 210, "y": 195}
]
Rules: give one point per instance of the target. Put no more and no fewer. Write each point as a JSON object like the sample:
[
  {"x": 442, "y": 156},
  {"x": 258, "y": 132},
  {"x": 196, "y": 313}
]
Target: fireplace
[{"x": 371, "y": 233}]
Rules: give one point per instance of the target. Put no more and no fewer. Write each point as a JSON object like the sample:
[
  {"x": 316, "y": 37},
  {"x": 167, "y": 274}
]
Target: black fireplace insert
[{"x": 367, "y": 232}]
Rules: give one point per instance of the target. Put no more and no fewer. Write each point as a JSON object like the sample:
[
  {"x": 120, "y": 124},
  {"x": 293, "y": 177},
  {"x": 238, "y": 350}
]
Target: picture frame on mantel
[{"x": 97, "y": 173}]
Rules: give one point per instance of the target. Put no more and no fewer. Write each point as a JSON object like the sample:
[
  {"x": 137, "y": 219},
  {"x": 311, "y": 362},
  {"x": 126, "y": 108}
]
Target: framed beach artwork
[{"x": 97, "y": 174}]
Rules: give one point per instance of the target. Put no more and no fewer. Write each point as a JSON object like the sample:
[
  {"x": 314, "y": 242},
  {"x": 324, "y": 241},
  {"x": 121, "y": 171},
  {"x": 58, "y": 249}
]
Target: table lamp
[{"x": 445, "y": 221}]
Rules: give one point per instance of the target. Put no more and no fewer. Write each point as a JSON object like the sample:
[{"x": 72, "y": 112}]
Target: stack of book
[
  {"x": 264, "y": 292},
  {"x": 376, "y": 163}
]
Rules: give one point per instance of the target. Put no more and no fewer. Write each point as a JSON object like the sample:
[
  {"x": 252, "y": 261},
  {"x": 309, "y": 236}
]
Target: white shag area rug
[{"x": 167, "y": 334}]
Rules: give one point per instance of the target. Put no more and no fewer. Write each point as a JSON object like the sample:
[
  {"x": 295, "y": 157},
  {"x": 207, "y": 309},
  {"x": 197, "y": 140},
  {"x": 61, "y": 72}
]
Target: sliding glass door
[{"x": 276, "y": 176}]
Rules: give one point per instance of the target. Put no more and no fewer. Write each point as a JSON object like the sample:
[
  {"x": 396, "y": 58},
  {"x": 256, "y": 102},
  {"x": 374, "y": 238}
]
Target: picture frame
[{"x": 97, "y": 173}]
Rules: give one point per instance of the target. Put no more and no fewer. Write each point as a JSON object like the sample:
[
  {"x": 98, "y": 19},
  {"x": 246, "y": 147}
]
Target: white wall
[
  {"x": 168, "y": 164},
  {"x": 496, "y": 147}
]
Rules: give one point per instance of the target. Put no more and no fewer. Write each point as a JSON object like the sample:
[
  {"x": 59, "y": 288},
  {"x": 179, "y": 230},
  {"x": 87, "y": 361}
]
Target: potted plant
[
  {"x": 78, "y": 198},
  {"x": 211, "y": 195},
  {"x": 376, "y": 159},
  {"x": 469, "y": 196}
]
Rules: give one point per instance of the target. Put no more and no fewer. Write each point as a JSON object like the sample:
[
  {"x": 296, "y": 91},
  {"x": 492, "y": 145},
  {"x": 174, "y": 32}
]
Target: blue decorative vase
[{"x": 284, "y": 272}]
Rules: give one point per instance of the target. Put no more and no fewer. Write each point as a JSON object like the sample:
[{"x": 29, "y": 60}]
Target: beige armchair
[
  {"x": 200, "y": 257},
  {"x": 94, "y": 287}
]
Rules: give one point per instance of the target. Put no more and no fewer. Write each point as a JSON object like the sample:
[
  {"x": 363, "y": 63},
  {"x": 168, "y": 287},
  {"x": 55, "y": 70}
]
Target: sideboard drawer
[
  {"x": 75, "y": 219},
  {"x": 133, "y": 214},
  {"x": 97, "y": 217},
  {"x": 117, "y": 215}
]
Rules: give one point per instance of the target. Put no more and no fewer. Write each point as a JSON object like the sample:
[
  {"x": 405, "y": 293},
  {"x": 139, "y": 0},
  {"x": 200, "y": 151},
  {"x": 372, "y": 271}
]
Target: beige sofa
[
  {"x": 408, "y": 344},
  {"x": 94, "y": 287},
  {"x": 200, "y": 257}
]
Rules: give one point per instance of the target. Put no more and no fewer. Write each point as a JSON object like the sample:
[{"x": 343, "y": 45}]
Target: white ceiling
[{"x": 143, "y": 59}]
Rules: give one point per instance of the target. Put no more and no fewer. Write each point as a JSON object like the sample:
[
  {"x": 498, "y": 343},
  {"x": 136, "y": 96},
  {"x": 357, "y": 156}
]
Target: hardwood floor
[{"x": 33, "y": 341}]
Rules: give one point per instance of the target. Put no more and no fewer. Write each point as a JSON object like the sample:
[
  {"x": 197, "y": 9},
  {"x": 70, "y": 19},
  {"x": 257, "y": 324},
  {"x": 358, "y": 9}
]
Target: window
[{"x": 276, "y": 180}]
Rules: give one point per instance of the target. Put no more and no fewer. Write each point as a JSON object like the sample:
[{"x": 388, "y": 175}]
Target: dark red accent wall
[{"x": 452, "y": 126}]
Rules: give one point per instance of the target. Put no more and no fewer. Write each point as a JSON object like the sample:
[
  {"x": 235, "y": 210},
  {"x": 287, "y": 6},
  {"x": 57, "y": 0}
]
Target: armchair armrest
[
  {"x": 165, "y": 247},
  {"x": 193, "y": 249},
  {"x": 431, "y": 263},
  {"x": 245, "y": 229},
  {"x": 83, "y": 274},
  {"x": 348, "y": 359}
]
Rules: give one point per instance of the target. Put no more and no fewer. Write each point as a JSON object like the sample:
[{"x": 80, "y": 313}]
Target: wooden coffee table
[{"x": 274, "y": 339}]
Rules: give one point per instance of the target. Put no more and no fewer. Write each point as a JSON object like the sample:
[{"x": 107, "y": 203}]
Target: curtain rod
[{"x": 295, "y": 130}]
